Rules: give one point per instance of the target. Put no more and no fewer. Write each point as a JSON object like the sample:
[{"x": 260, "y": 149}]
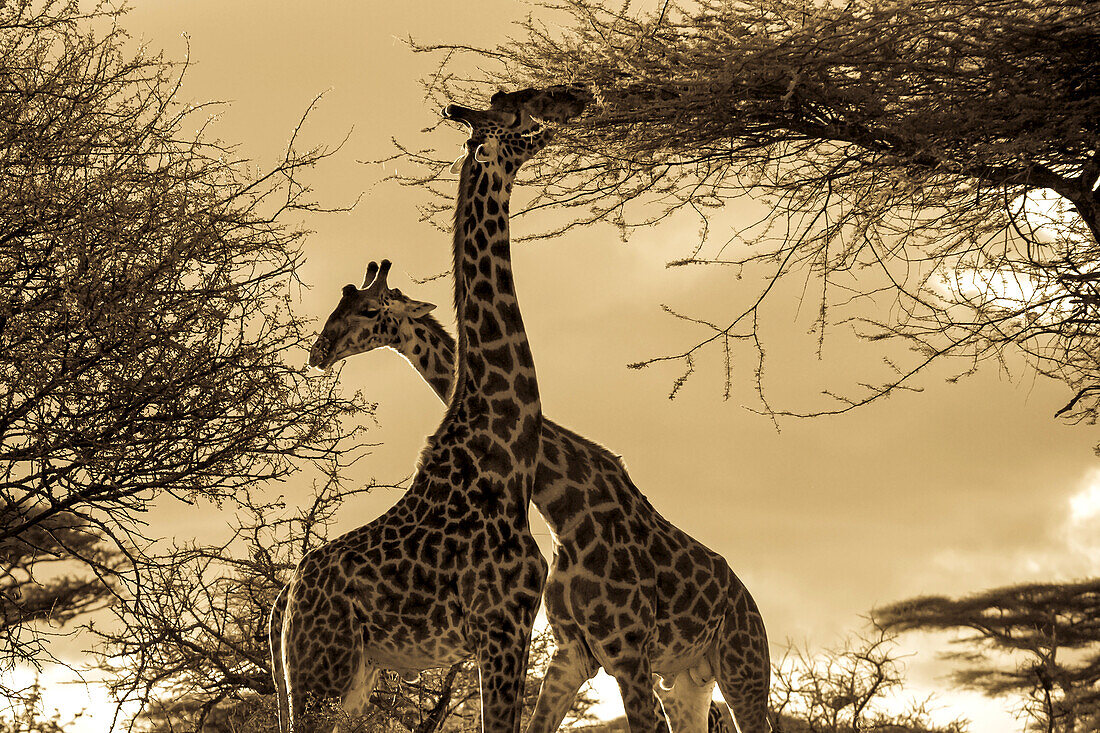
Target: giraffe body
[
  {"x": 452, "y": 570},
  {"x": 627, "y": 591}
]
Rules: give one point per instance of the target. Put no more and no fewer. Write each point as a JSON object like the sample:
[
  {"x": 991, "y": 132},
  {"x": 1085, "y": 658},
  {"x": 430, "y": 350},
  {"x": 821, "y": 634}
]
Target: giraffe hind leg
[
  {"x": 278, "y": 672},
  {"x": 644, "y": 713},
  {"x": 744, "y": 665},
  {"x": 356, "y": 701},
  {"x": 324, "y": 665},
  {"x": 570, "y": 667},
  {"x": 720, "y": 719}
]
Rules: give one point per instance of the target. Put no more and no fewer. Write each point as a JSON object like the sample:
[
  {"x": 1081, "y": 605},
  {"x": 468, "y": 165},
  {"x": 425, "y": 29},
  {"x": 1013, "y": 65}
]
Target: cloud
[
  {"x": 1082, "y": 526},
  {"x": 1068, "y": 549}
]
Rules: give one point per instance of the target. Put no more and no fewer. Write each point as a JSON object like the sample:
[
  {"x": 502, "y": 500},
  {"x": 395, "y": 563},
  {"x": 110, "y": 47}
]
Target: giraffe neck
[
  {"x": 428, "y": 346},
  {"x": 431, "y": 350},
  {"x": 493, "y": 357}
]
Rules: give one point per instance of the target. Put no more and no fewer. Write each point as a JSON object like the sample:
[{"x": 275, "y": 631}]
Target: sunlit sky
[{"x": 955, "y": 489}]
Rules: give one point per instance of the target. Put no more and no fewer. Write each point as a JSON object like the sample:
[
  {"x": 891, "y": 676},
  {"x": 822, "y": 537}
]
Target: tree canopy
[
  {"x": 856, "y": 686},
  {"x": 147, "y": 346},
  {"x": 930, "y": 167},
  {"x": 1040, "y": 641},
  {"x": 41, "y": 585}
]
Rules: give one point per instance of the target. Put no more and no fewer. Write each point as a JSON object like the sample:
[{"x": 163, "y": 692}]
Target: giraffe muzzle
[
  {"x": 477, "y": 119},
  {"x": 458, "y": 113},
  {"x": 319, "y": 354}
]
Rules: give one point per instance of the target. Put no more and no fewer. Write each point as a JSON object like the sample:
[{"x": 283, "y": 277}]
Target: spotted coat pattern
[
  {"x": 627, "y": 590},
  {"x": 452, "y": 570}
]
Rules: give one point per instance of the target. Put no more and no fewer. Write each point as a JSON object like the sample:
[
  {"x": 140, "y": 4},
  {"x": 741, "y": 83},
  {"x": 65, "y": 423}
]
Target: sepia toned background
[{"x": 957, "y": 488}]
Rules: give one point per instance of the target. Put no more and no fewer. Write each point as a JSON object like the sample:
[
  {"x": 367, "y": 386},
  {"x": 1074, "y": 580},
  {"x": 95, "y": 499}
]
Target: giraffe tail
[{"x": 278, "y": 673}]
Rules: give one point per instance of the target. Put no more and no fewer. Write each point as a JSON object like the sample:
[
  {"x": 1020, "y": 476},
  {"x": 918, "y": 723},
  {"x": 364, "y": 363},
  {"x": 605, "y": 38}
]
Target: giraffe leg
[
  {"x": 570, "y": 667},
  {"x": 744, "y": 666},
  {"x": 643, "y": 708},
  {"x": 275, "y": 645},
  {"x": 720, "y": 718},
  {"x": 323, "y": 662},
  {"x": 355, "y": 702},
  {"x": 687, "y": 704},
  {"x": 502, "y": 663}
]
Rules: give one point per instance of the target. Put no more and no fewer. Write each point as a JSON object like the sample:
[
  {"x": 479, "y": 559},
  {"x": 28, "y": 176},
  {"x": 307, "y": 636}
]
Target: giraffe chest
[{"x": 419, "y": 596}]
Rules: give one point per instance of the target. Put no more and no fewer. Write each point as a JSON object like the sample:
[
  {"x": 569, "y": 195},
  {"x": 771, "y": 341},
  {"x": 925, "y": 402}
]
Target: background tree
[
  {"x": 147, "y": 347},
  {"x": 27, "y": 715},
  {"x": 38, "y": 583},
  {"x": 194, "y": 651},
  {"x": 1038, "y": 641},
  {"x": 934, "y": 164},
  {"x": 850, "y": 688}
]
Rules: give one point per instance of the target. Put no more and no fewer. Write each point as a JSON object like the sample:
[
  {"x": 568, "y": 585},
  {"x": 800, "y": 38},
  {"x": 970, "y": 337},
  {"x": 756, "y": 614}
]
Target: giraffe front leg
[
  {"x": 502, "y": 663},
  {"x": 744, "y": 666},
  {"x": 570, "y": 667},
  {"x": 643, "y": 708}
]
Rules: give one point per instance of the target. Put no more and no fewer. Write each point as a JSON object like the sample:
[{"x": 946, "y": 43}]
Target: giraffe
[
  {"x": 452, "y": 570},
  {"x": 627, "y": 590}
]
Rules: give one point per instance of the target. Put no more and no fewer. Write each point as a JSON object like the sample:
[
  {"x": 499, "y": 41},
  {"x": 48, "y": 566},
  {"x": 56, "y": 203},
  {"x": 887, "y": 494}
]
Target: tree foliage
[
  {"x": 930, "y": 167},
  {"x": 1040, "y": 641},
  {"x": 147, "y": 346},
  {"x": 194, "y": 649},
  {"x": 27, "y": 716}
]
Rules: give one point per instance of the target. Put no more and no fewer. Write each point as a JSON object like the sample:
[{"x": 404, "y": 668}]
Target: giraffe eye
[{"x": 370, "y": 312}]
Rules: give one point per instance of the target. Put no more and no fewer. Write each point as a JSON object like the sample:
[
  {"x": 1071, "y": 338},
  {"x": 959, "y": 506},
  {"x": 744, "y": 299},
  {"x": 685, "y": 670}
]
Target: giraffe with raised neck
[
  {"x": 627, "y": 590},
  {"x": 452, "y": 570}
]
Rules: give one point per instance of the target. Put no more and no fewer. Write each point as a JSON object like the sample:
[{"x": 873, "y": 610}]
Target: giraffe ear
[
  {"x": 484, "y": 152},
  {"x": 417, "y": 308},
  {"x": 456, "y": 167}
]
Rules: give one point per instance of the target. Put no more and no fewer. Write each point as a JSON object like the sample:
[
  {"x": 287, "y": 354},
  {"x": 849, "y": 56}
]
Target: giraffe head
[
  {"x": 365, "y": 319},
  {"x": 511, "y": 131}
]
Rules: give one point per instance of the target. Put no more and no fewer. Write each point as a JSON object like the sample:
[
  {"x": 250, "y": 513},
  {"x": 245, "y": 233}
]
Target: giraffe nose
[
  {"x": 458, "y": 113},
  {"x": 318, "y": 353}
]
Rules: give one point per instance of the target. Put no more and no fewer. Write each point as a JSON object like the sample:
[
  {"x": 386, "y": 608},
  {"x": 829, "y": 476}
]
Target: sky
[{"x": 955, "y": 489}]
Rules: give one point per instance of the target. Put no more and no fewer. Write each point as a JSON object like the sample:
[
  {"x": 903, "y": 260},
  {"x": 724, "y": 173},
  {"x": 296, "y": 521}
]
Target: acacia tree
[
  {"x": 147, "y": 346},
  {"x": 195, "y": 651},
  {"x": 1038, "y": 641},
  {"x": 38, "y": 585},
  {"x": 933, "y": 164},
  {"x": 848, "y": 688},
  {"x": 27, "y": 715}
]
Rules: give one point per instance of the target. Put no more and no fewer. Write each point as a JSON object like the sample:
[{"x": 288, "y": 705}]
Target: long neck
[
  {"x": 427, "y": 345},
  {"x": 431, "y": 350},
  {"x": 493, "y": 353}
]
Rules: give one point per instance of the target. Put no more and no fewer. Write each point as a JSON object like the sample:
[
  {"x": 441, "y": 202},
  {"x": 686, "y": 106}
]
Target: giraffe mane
[
  {"x": 433, "y": 324},
  {"x": 462, "y": 200}
]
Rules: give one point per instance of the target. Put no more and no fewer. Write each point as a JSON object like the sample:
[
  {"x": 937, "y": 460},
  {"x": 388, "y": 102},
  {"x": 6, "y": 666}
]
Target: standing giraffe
[
  {"x": 627, "y": 590},
  {"x": 452, "y": 569}
]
